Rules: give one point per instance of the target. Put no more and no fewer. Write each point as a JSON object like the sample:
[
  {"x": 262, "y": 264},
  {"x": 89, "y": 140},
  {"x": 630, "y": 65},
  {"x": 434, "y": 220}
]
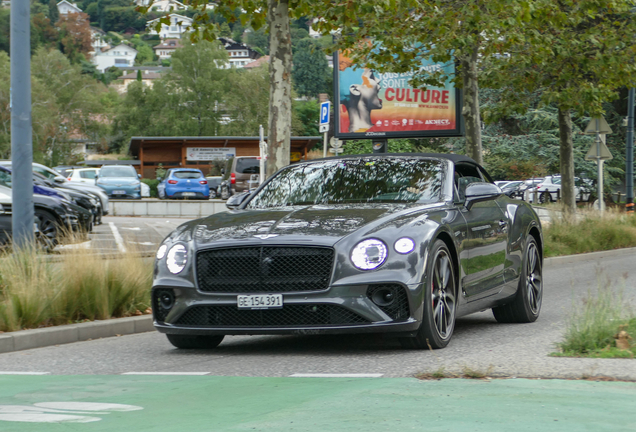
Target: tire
[
  {"x": 212, "y": 194},
  {"x": 224, "y": 193},
  {"x": 440, "y": 302},
  {"x": 48, "y": 229},
  {"x": 195, "y": 342},
  {"x": 526, "y": 306},
  {"x": 98, "y": 216},
  {"x": 545, "y": 197}
]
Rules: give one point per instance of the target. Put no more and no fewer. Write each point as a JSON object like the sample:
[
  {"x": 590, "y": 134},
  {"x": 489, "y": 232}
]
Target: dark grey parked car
[{"x": 397, "y": 243}]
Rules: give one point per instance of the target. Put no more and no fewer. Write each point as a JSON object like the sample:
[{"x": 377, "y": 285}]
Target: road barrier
[{"x": 155, "y": 207}]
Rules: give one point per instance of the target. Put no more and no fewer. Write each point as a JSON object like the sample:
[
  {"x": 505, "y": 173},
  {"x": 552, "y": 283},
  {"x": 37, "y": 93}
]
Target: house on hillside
[
  {"x": 65, "y": 7},
  {"x": 258, "y": 62},
  {"x": 179, "y": 24},
  {"x": 147, "y": 79},
  {"x": 121, "y": 55},
  {"x": 162, "y": 5},
  {"x": 165, "y": 49},
  {"x": 240, "y": 54},
  {"x": 98, "y": 40}
]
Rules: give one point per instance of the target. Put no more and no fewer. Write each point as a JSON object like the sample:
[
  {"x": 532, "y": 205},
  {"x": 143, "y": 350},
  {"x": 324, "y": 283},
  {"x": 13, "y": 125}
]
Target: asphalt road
[{"x": 479, "y": 344}]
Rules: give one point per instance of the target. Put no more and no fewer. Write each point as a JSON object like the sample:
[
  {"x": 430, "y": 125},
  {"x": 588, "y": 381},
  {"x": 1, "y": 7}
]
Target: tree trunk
[
  {"x": 470, "y": 109},
  {"x": 567, "y": 161},
  {"x": 280, "y": 66}
]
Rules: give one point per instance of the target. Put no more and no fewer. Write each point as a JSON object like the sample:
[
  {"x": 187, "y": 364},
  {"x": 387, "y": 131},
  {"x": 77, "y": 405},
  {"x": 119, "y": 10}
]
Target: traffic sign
[
  {"x": 604, "y": 153},
  {"x": 324, "y": 114},
  {"x": 602, "y": 128},
  {"x": 335, "y": 142},
  {"x": 324, "y": 128}
]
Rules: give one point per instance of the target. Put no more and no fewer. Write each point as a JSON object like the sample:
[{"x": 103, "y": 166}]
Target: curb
[{"x": 39, "y": 338}]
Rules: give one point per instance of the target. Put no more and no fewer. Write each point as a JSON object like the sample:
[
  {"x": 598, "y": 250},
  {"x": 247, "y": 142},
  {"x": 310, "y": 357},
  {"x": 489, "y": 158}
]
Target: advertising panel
[
  {"x": 209, "y": 153},
  {"x": 383, "y": 105}
]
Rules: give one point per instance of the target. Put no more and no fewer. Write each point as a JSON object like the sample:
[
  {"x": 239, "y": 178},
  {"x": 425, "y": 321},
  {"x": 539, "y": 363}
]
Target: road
[{"x": 479, "y": 344}]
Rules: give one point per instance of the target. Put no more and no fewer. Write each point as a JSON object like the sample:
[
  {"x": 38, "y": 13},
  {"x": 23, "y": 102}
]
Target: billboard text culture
[{"x": 371, "y": 104}]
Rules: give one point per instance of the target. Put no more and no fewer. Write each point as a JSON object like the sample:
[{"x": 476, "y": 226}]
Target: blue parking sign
[{"x": 324, "y": 112}]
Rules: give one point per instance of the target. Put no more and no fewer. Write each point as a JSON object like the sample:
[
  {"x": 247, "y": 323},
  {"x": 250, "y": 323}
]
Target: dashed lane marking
[
  {"x": 23, "y": 373},
  {"x": 166, "y": 373},
  {"x": 341, "y": 375},
  {"x": 118, "y": 238}
]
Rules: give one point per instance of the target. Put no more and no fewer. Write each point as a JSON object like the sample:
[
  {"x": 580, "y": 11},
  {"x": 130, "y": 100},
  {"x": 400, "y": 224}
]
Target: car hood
[{"x": 329, "y": 222}]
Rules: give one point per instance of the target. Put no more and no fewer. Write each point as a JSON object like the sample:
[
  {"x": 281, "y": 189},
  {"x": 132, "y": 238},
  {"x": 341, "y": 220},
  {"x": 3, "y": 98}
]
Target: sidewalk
[{"x": 178, "y": 403}]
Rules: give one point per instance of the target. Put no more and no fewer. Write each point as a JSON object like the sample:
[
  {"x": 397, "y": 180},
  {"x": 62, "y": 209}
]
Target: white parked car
[
  {"x": 547, "y": 189},
  {"x": 145, "y": 190},
  {"x": 83, "y": 175}
]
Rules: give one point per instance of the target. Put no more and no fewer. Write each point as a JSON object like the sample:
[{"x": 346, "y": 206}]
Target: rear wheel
[
  {"x": 545, "y": 197},
  {"x": 440, "y": 302},
  {"x": 526, "y": 306},
  {"x": 195, "y": 342}
]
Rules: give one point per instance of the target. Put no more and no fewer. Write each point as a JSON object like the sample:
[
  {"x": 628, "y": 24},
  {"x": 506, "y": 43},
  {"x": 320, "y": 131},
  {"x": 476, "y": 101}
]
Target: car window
[
  {"x": 248, "y": 166},
  {"x": 466, "y": 174},
  {"x": 187, "y": 174},
  {"x": 87, "y": 174},
  {"x": 388, "y": 180},
  {"x": 118, "y": 172},
  {"x": 45, "y": 172},
  {"x": 5, "y": 179}
]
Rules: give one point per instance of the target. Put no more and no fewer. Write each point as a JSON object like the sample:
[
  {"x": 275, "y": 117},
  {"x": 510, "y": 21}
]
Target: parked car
[
  {"x": 239, "y": 171},
  {"x": 145, "y": 190},
  {"x": 52, "y": 218},
  {"x": 225, "y": 189},
  {"x": 55, "y": 177},
  {"x": 119, "y": 181},
  {"x": 353, "y": 244},
  {"x": 550, "y": 187},
  {"x": 183, "y": 183},
  {"x": 83, "y": 175},
  {"x": 515, "y": 189},
  {"x": 65, "y": 170},
  {"x": 214, "y": 182}
]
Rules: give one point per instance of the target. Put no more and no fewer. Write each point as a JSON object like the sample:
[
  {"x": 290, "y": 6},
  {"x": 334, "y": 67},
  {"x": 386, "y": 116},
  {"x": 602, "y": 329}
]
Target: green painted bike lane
[{"x": 211, "y": 403}]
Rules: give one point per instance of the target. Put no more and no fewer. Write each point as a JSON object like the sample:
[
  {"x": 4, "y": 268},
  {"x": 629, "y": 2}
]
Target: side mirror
[
  {"x": 138, "y": 175},
  {"x": 477, "y": 192},
  {"x": 235, "y": 201},
  {"x": 59, "y": 179}
]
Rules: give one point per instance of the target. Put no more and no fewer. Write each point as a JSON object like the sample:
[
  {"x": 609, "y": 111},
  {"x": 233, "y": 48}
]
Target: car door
[
  {"x": 487, "y": 239},
  {"x": 161, "y": 187}
]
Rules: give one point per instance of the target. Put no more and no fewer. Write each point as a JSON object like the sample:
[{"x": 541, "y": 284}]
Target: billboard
[{"x": 383, "y": 105}]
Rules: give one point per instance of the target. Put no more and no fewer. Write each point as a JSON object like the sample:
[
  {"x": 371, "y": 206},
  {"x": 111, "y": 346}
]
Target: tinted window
[
  {"x": 392, "y": 180},
  {"x": 44, "y": 172},
  {"x": 214, "y": 182},
  {"x": 248, "y": 166},
  {"x": 5, "y": 179},
  {"x": 118, "y": 172},
  {"x": 187, "y": 174}
]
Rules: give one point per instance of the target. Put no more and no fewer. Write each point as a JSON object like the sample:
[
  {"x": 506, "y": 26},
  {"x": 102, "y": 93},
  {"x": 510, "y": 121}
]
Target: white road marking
[
  {"x": 132, "y": 228},
  {"x": 23, "y": 373},
  {"x": 118, "y": 239},
  {"x": 144, "y": 243},
  {"x": 83, "y": 245},
  {"x": 61, "y": 412},
  {"x": 327, "y": 375},
  {"x": 167, "y": 373}
]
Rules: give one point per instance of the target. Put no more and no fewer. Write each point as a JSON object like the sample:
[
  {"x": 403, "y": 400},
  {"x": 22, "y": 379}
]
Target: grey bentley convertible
[{"x": 401, "y": 244}]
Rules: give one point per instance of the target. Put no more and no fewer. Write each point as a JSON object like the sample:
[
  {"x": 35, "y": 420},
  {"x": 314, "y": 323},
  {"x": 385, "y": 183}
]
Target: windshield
[
  {"x": 118, "y": 172},
  {"x": 387, "y": 180},
  {"x": 248, "y": 166}
]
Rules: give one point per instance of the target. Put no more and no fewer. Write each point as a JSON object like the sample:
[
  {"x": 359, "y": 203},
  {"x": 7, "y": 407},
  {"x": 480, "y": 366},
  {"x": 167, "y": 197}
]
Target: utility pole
[
  {"x": 629, "y": 154},
  {"x": 21, "y": 137}
]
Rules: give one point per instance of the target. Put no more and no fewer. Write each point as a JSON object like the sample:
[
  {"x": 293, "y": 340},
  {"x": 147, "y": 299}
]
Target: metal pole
[
  {"x": 21, "y": 137},
  {"x": 324, "y": 144},
  {"x": 629, "y": 155},
  {"x": 262, "y": 145},
  {"x": 600, "y": 165}
]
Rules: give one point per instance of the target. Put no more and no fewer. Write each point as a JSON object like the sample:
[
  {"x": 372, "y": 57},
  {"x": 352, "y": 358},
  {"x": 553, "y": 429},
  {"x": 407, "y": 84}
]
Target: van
[{"x": 242, "y": 173}]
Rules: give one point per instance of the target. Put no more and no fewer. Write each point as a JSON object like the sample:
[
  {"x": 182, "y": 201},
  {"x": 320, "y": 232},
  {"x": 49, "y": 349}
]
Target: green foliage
[
  {"x": 592, "y": 324},
  {"x": 308, "y": 113},
  {"x": 53, "y": 13},
  {"x": 258, "y": 39},
  {"x": 247, "y": 102},
  {"x": 152, "y": 184},
  {"x": 225, "y": 31},
  {"x": 310, "y": 69},
  {"x": 144, "y": 55},
  {"x": 395, "y": 146}
]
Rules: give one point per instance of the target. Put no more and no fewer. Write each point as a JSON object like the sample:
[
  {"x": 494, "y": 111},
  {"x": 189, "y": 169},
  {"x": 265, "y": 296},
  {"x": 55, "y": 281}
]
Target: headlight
[
  {"x": 177, "y": 258},
  {"x": 369, "y": 254},
  {"x": 404, "y": 245},
  {"x": 161, "y": 252}
]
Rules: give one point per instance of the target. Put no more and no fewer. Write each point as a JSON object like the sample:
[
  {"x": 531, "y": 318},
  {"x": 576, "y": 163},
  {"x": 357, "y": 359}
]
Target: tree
[
  {"x": 75, "y": 36},
  {"x": 310, "y": 69},
  {"x": 576, "y": 54},
  {"x": 246, "y": 104},
  {"x": 54, "y": 13},
  {"x": 399, "y": 35}
]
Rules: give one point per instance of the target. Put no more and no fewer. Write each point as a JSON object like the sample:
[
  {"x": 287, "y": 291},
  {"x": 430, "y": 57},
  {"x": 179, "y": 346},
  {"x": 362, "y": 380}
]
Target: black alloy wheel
[
  {"x": 545, "y": 197},
  {"x": 440, "y": 302},
  {"x": 48, "y": 229},
  {"x": 526, "y": 306},
  {"x": 195, "y": 342}
]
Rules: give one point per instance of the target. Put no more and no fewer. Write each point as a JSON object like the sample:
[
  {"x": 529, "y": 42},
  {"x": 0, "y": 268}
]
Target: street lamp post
[{"x": 629, "y": 154}]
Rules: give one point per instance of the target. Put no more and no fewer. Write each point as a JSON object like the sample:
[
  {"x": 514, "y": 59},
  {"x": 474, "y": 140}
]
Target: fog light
[
  {"x": 383, "y": 297},
  {"x": 166, "y": 300}
]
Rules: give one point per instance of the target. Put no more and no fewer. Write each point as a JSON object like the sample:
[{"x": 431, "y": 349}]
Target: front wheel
[
  {"x": 545, "y": 197},
  {"x": 48, "y": 229},
  {"x": 526, "y": 305},
  {"x": 440, "y": 302},
  {"x": 195, "y": 342}
]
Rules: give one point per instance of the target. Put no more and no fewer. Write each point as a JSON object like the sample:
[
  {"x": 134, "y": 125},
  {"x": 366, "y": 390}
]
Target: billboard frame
[{"x": 457, "y": 132}]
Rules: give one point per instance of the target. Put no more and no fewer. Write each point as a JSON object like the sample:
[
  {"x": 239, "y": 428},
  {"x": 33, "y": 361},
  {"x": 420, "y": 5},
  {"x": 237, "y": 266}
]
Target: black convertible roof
[{"x": 455, "y": 158}]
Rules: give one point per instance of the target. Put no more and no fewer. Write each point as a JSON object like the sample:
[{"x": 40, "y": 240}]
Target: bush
[
  {"x": 37, "y": 292},
  {"x": 153, "y": 187}
]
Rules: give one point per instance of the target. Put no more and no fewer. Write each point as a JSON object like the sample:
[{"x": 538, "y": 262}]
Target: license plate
[
  {"x": 189, "y": 194},
  {"x": 267, "y": 301},
  {"x": 119, "y": 192}
]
